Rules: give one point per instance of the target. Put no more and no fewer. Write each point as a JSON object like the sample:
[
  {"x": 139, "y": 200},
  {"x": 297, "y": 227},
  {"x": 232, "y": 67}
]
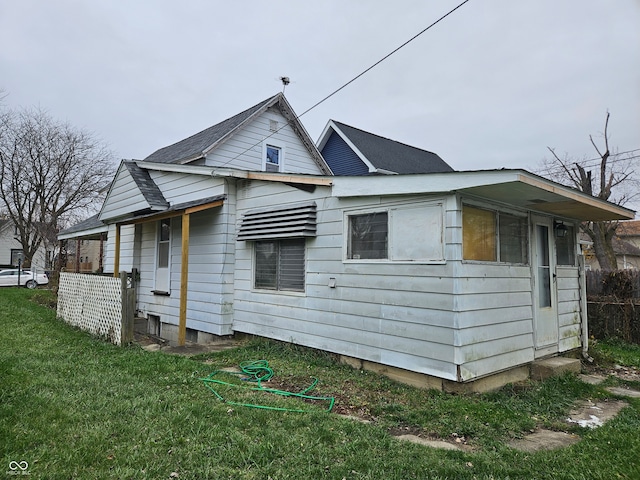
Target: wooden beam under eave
[
  {"x": 206, "y": 206},
  {"x": 116, "y": 260},
  {"x": 289, "y": 178},
  {"x": 184, "y": 276}
]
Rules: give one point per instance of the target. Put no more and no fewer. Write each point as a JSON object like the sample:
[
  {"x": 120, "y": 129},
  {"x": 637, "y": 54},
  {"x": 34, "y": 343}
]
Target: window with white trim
[
  {"x": 566, "y": 247},
  {"x": 273, "y": 158},
  {"x": 493, "y": 236},
  {"x": 280, "y": 264},
  {"x": 399, "y": 233},
  {"x": 163, "y": 254},
  {"x": 368, "y": 236}
]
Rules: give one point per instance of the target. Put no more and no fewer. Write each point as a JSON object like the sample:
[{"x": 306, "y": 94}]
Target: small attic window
[
  {"x": 273, "y": 125},
  {"x": 273, "y": 158}
]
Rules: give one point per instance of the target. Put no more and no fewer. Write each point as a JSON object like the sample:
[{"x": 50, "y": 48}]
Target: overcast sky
[{"x": 491, "y": 86}]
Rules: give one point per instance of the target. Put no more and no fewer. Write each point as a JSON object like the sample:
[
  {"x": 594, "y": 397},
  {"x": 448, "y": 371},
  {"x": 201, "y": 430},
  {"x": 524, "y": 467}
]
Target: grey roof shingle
[
  {"x": 387, "y": 154},
  {"x": 90, "y": 223},
  {"x": 147, "y": 186},
  {"x": 194, "y": 146}
]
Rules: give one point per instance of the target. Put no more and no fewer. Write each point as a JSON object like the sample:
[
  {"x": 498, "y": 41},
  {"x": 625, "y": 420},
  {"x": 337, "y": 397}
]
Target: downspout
[{"x": 582, "y": 281}]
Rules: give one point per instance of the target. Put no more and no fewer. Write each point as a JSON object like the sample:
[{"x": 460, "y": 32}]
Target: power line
[
  {"x": 383, "y": 59},
  {"x": 610, "y": 160},
  {"x": 297, "y": 117}
]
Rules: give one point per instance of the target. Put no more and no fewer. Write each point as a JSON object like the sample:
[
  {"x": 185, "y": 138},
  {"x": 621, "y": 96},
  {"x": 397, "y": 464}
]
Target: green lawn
[{"x": 72, "y": 406}]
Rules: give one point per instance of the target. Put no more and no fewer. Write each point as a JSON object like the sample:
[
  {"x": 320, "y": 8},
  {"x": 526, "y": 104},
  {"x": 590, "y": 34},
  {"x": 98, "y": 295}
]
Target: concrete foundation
[
  {"x": 539, "y": 370},
  {"x": 554, "y": 366}
]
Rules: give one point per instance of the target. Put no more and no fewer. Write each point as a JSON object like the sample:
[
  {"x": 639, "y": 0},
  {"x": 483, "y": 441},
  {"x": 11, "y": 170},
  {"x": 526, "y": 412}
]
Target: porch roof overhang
[
  {"x": 516, "y": 188},
  {"x": 90, "y": 229},
  {"x": 177, "y": 210}
]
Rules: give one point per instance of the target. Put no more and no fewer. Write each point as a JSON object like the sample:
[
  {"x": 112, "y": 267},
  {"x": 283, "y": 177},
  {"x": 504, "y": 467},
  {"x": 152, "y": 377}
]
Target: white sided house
[{"x": 397, "y": 263}]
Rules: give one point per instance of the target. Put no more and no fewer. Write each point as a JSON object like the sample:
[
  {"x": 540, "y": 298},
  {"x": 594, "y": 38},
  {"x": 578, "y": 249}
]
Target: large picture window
[
  {"x": 368, "y": 236},
  {"x": 493, "y": 236},
  {"x": 279, "y": 264}
]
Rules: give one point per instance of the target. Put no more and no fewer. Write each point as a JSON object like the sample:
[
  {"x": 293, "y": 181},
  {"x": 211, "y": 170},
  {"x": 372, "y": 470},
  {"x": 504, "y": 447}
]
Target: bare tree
[
  {"x": 50, "y": 174},
  {"x": 613, "y": 174}
]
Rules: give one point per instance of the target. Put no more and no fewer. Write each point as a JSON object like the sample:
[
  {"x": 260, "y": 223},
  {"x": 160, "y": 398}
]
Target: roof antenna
[{"x": 285, "y": 81}]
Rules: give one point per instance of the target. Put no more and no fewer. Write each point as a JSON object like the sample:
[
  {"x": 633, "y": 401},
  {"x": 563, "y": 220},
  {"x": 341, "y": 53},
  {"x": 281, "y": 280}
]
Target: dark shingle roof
[
  {"x": 628, "y": 229},
  {"x": 393, "y": 156},
  {"x": 621, "y": 247},
  {"x": 193, "y": 147},
  {"x": 88, "y": 224},
  {"x": 147, "y": 186}
]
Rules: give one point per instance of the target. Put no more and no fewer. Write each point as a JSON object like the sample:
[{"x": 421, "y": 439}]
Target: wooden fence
[
  {"x": 103, "y": 306},
  {"x": 613, "y": 304}
]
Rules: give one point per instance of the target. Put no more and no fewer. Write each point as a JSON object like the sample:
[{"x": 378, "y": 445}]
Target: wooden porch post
[
  {"x": 116, "y": 260},
  {"x": 184, "y": 274}
]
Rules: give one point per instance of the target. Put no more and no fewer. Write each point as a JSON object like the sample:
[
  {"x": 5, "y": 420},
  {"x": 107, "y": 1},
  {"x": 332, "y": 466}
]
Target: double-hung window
[
  {"x": 492, "y": 236},
  {"x": 273, "y": 158}
]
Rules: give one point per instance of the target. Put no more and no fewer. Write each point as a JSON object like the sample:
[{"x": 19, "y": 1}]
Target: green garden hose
[{"x": 257, "y": 371}]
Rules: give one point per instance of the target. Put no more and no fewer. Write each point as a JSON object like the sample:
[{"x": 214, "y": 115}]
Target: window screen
[
  {"x": 279, "y": 264},
  {"x": 513, "y": 238},
  {"x": 566, "y": 248},
  {"x": 368, "y": 236}
]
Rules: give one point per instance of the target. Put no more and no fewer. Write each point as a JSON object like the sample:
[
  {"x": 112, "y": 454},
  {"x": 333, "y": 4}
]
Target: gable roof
[
  {"x": 146, "y": 185},
  {"x": 379, "y": 154},
  {"x": 92, "y": 226},
  {"x": 197, "y": 146},
  {"x": 628, "y": 229}
]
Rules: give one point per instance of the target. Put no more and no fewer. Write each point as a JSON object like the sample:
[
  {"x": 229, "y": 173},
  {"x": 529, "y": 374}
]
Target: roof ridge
[
  {"x": 230, "y": 120},
  {"x": 380, "y": 136}
]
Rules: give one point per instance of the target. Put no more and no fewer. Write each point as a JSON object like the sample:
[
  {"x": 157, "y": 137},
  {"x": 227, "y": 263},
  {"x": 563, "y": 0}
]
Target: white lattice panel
[{"x": 92, "y": 303}]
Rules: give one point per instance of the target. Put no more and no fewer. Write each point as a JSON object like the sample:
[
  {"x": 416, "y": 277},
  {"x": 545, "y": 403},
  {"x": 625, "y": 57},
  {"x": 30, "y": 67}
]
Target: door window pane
[
  {"x": 544, "y": 269},
  {"x": 164, "y": 232}
]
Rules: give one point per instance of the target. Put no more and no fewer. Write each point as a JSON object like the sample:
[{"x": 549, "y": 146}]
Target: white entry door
[{"x": 545, "y": 304}]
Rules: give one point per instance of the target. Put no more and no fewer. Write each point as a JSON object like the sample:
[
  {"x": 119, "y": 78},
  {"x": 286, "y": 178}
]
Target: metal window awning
[{"x": 290, "y": 221}]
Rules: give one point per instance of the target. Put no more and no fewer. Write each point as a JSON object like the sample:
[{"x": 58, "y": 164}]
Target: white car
[{"x": 9, "y": 278}]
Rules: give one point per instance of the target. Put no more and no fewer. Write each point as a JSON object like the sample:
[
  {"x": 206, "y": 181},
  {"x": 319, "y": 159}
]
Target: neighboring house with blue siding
[
  {"x": 351, "y": 151},
  {"x": 373, "y": 250}
]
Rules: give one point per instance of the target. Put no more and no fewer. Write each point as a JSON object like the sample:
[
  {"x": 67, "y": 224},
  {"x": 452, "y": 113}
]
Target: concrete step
[{"x": 554, "y": 366}]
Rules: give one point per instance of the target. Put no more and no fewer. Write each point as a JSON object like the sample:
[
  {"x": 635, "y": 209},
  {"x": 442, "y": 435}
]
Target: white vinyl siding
[
  {"x": 210, "y": 280},
  {"x": 244, "y": 150},
  {"x": 399, "y": 314},
  {"x": 183, "y": 187},
  {"x": 124, "y": 197},
  {"x": 569, "y": 316}
]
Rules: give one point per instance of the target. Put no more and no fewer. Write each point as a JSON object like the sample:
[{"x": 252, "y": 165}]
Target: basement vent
[{"x": 290, "y": 221}]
